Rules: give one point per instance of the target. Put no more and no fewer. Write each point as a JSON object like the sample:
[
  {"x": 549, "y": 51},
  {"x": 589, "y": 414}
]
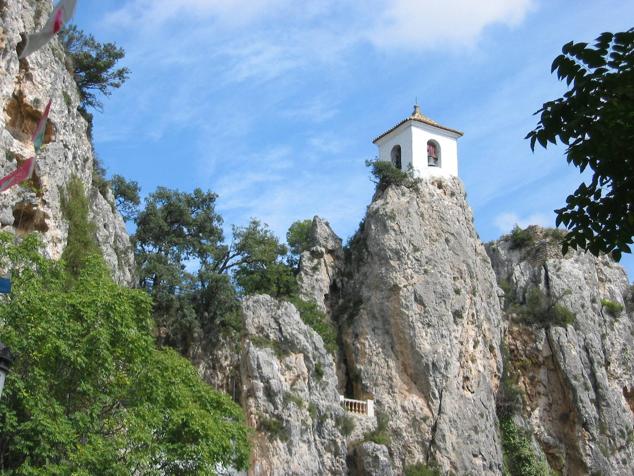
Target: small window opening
[
  {"x": 396, "y": 156},
  {"x": 433, "y": 154}
]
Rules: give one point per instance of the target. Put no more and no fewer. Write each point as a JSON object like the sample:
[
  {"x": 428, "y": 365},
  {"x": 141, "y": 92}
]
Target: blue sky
[{"x": 273, "y": 104}]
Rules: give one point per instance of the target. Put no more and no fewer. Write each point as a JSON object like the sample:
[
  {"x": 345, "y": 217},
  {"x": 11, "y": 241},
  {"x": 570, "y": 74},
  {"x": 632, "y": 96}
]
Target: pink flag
[
  {"x": 58, "y": 23},
  {"x": 38, "y": 135},
  {"x": 62, "y": 12},
  {"x": 23, "y": 172}
]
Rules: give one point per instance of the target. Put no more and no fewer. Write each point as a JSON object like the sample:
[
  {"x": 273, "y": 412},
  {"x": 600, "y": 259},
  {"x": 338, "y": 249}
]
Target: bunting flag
[
  {"x": 60, "y": 16},
  {"x": 38, "y": 135},
  {"x": 23, "y": 172}
]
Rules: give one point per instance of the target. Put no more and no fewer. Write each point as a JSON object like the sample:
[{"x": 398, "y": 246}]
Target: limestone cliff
[
  {"x": 289, "y": 393},
  {"x": 420, "y": 324},
  {"x": 25, "y": 88},
  {"x": 416, "y": 304},
  {"x": 429, "y": 336},
  {"x": 575, "y": 375},
  {"x": 321, "y": 267}
]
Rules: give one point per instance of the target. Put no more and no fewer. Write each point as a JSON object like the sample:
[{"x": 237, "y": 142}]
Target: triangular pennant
[
  {"x": 60, "y": 16},
  {"x": 23, "y": 172},
  {"x": 38, "y": 135}
]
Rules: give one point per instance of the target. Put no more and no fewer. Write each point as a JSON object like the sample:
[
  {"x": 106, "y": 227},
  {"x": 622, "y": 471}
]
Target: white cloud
[
  {"x": 507, "y": 220},
  {"x": 425, "y": 23},
  {"x": 153, "y": 13},
  {"x": 404, "y": 24}
]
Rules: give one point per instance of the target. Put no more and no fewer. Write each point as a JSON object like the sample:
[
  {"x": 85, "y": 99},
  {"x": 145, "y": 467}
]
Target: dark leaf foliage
[
  {"x": 299, "y": 236},
  {"x": 595, "y": 120}
]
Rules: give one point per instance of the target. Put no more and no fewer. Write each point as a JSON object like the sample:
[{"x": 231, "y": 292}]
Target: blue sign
[{"x": 5, "y": 285}]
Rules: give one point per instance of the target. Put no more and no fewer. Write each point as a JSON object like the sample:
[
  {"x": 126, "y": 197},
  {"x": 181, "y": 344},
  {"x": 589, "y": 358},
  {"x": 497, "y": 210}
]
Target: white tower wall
[
  {"x": 412, "y": 135},
  {"x": 448, "y": 152},
  {"x": 404, "y": 139}
]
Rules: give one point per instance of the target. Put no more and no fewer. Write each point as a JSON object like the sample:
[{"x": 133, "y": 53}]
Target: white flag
[{"x": 62, "y": 13}]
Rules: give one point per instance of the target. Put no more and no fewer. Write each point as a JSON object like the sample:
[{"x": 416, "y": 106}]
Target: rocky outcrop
[
  {"x": 371, "y": 459},
  {"x": 425, "y": 317},
  {"x": 576, "y": 375},
  {"x": 420, "y": 321},
  {"x": 321, "y": 267},
  {"x": 25, "y": 88},
  {"x": 289, "y": 393}
]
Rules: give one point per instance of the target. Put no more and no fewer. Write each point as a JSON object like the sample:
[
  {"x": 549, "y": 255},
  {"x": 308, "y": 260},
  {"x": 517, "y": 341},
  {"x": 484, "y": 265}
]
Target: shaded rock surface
[
  {"x": 321, "y": 267},
  {"x": 25, "y": 88},
  {"x": 371, "y": 459},
  {"x": 289, "y": 393},
  {"x": 577, "y": 379}
]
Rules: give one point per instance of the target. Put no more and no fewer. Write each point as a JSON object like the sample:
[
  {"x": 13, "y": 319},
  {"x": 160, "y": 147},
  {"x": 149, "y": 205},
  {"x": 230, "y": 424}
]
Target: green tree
[
  {"x": 127, "y": 196},
  {"x": 595, "y": 120},
  {"x": 191, "y": 272},
  {"x": 260, "y": 267},
  {"x": 177, "y": 230},
  {"x": 299, "y": 239},
  {"x": 81, "y": 241},
  {"x": 89, "y": 390},
  {"x": 94, "y": 66},
  {"x": 299, "y": 236}
]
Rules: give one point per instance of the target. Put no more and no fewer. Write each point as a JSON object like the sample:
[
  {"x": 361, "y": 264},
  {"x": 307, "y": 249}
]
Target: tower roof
[{"x": 417, "y": 116}]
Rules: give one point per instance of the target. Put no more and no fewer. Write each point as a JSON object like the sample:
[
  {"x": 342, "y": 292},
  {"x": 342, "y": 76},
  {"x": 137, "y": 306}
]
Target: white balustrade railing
[{"x": 360, "y": 407}]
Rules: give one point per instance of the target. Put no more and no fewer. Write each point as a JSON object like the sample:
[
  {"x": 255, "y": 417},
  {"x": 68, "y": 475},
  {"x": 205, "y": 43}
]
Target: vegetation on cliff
[
  {"x": 385, "y": 174},
  {"x": 93, "y": 65}
]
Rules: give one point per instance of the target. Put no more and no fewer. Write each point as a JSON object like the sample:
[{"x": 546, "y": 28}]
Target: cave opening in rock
[
  {"x": 22, "y": 119},
  {"x": 27, "y": 217}
]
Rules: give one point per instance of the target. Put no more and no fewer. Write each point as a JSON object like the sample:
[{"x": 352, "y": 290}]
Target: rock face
[
  {"x": 414, "y": 298},
  {"x": 321, "y": 267},
  {"x": 372, "y": 460},
  {"x": 577, "y": 380},
  {"x": 25, "y": 88},
  {"x": 289, "y": 393},
  {"x": 421, "y": 321}
]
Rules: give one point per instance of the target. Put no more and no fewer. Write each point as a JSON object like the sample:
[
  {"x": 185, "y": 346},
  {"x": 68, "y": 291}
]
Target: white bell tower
[{"x": 419, "y": 144}]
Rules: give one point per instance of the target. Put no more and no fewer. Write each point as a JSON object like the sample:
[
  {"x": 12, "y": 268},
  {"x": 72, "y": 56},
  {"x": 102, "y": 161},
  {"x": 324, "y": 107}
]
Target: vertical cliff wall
[
  {"x": 25, "y": 88},
  {"x": 421, "y": 325},
  {"x": 519, "y": 359},
  {"x": 570, "y": 340},
  {"x": 289, "y": 393}
]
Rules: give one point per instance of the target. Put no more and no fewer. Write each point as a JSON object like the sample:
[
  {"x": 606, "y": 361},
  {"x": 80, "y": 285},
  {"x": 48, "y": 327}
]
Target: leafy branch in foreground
[{"x": 595, "y": 120}]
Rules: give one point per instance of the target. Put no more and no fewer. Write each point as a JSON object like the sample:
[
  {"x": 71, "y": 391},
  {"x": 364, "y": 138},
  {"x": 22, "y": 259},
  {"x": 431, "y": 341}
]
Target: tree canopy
[
  {"x": 127, "y": 196},
  {"x": 299, "y": 237},
  {"x": 89, "y": 390},
  {"x": 94, "y": 65},
  {"x": 192, "y": 274},
  {"x": 595, "y": 120}
]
